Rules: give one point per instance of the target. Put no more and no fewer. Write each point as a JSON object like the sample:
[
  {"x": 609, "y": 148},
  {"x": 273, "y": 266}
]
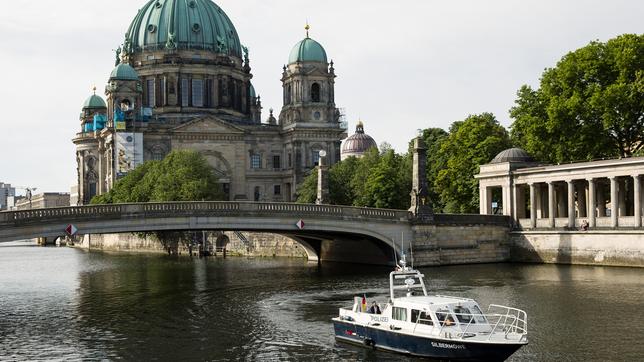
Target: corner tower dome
[
  {"x": 94, "y": 102},
  {"x": 124, "y": 71},
  {"x": 183, "y": 24},
  {"x": 307, "y": 50}
]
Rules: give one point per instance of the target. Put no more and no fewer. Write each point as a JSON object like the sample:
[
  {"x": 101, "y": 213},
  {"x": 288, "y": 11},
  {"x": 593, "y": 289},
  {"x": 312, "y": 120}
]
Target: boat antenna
[
  {"x": 411, "y": 251},
  {"x": 393, "y": 249}
]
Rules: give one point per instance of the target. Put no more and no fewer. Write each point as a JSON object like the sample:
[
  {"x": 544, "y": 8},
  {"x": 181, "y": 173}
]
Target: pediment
[{"x": 208, "y": 124}]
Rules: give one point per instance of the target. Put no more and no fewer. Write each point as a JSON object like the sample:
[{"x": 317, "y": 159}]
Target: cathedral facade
[{"x": 182, "y": 80}]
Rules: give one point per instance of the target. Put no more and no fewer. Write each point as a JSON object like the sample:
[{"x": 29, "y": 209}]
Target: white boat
[{"x": 435, "y": 326}]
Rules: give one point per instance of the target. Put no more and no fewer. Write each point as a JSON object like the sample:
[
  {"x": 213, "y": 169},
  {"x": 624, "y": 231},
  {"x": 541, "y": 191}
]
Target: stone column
[
  {"x": 637, "y": 200},
  {"x": 507, "y": 200},
  {"x": 591, "y": 203},
  {"x": 533, "y": 207},
  {"x": 551, "y": 204},
  {"x": 614, "y": 202},
  {"x": 482, "y": 199},
  {"x": 571, "y": 204},
  {"x": 420, "y": 205},
  {"x": 323, "y": 180}
]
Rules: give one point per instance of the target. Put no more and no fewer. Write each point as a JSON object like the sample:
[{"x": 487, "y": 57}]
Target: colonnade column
[
  {"x": 637, "y": 200},
  {"x": 533, "y": 207},
  {"x": 551, "y": 204},
  {"x": 614, "y": 202},
  {"x": 571, "y": 204},
  {"x": 591, "y": 203}
]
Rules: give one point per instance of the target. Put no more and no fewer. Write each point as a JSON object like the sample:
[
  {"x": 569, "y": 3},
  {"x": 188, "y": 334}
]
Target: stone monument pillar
[
  {"x": 323, "y": 180},
  {"x": 420, "y": 205}
]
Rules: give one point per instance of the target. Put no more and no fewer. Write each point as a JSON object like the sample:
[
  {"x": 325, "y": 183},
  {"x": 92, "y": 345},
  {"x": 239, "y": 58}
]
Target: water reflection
[{"x": 66, "y": 303}]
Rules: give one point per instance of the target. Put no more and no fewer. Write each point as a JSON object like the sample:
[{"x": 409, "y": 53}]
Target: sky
[{"x": 402, "y": 65}]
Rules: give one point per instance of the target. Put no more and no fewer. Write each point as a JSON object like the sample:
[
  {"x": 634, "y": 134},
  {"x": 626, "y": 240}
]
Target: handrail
[
  {"x": 203, "y": 207},
  {"x": 506, "y": 322}
]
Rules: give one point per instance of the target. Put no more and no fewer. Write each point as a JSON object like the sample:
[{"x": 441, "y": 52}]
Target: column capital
[
  {"x": 612, "y": 177},
  {"x": 570, "y": 181},
  {"x": 591, "y": 179},
  {"x": 635, "y": 176}
]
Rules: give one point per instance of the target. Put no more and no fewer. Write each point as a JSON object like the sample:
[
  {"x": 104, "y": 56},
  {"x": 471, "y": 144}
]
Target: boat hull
[{"x": 422, "y": 345}]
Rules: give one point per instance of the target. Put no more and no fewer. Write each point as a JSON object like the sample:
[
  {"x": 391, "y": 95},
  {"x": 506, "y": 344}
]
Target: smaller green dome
[
  {"x": 253, "y": 94},
  {"x": 124, "y": 71},
  {"x": 307, "y": 50},
  {"x": 94, "y": 102}
]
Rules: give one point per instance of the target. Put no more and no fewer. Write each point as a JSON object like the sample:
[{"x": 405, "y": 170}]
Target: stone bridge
[
  {"x": 329, "y": 232},
  {"x": 333, "y": 233}
]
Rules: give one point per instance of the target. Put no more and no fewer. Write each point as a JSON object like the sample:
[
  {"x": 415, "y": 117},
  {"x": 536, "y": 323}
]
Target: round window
[{"x": 196, "y": 27}]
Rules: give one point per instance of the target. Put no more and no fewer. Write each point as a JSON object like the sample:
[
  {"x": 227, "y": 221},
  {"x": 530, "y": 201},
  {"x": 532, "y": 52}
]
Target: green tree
[
  {"x": 590, "y": 105},
  {"x": 340, "y": 190},
  {"x": 386, "y": 183},
  {"x": 181, "y": 176},
  {"x": 472, "y": 142}
]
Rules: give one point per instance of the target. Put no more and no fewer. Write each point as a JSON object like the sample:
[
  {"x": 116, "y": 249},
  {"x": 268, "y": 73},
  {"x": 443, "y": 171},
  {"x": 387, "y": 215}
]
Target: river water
[{"x": 64, "y": 303}]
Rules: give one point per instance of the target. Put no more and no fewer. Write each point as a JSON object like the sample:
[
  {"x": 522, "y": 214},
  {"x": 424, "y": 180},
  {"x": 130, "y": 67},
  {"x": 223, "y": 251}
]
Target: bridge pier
[{"x": 47, "y": 241}]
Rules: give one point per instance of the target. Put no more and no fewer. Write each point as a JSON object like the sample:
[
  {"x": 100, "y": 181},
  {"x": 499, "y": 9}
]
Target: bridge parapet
[{"x": 207, "y": 208}]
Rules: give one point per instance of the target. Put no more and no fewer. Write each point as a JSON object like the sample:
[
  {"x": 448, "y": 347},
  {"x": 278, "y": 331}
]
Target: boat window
[
  {"x": 463, "y": 314},
  {"x": 421, "y": 317},
  {"x": 399, "y": 314},
  {"x": 478, "y": 315},
  {"x": 445, "y": 317}
]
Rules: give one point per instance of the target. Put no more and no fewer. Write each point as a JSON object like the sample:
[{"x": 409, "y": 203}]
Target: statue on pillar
[{"x": 421, "y": 207}]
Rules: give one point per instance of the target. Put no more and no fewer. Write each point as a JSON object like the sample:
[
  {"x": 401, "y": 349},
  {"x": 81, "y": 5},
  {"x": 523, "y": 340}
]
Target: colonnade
[{"x": 613, "y": 201}]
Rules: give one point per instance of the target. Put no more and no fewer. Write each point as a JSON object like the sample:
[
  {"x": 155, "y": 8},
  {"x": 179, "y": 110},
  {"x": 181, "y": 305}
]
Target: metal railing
[{"x": 506, "y": 320}]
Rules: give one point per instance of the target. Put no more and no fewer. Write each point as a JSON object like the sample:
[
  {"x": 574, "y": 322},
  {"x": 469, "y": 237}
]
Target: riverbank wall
[
  {"x": 593, "y": 247},
  {"x": 461, "y": 239}
]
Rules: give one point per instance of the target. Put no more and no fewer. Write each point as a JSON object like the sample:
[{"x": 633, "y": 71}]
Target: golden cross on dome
[
  {"x": 94, "y": 89},
  {"x": 307, "y": 27}
]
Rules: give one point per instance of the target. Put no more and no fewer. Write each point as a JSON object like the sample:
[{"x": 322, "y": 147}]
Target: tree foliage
[
  {"x": 472, "y": 142},
  {"x": 181, "y": 176},
  {"x": 590, "y": 105},
  {"x": 374, "y": 180}
]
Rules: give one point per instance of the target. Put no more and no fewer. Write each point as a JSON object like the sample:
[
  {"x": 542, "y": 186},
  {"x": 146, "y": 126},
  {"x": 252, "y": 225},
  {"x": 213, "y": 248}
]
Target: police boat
[{"x": 435, "y": 326}]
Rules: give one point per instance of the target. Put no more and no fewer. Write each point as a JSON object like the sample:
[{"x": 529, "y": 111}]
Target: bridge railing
[{"x": 205, "y": 208}]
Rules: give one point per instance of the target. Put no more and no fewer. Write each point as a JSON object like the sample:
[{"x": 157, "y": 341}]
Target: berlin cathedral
[{"x": 182, "y": 80}]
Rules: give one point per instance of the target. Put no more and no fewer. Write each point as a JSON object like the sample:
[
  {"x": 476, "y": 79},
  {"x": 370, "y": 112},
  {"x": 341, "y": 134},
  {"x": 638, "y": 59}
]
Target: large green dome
[
  {"x": 183, "y": 24},
  {"x": 307, "y": 50}
]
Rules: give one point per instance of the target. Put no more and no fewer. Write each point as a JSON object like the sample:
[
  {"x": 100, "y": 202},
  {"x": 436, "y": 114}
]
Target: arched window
[{"x": 315, "y": 93}]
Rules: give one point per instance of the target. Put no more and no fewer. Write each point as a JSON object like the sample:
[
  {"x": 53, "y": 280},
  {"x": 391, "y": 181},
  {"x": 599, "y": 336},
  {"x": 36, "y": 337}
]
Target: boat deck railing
[{"x": 511, "y": 323}]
